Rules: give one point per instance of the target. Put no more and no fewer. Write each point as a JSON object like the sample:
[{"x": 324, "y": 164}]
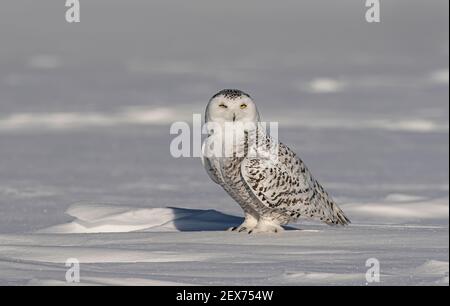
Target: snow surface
[
  {"x": 85, "y": 111},
  {"x": 320, "y": 256}
]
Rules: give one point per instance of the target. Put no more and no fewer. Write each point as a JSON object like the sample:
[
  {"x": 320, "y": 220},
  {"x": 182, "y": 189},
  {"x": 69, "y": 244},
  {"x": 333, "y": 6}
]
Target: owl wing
[{"x": 286, "y": 186}]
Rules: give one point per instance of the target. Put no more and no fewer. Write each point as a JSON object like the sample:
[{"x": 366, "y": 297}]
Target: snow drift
[{"x": 108, "y": 218}]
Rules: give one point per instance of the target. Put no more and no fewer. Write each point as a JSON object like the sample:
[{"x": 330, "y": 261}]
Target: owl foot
[
  {"x": 239, "y": 229},
  {"x": 249, "y": 223},
  {"x": 266, "y": 226}
]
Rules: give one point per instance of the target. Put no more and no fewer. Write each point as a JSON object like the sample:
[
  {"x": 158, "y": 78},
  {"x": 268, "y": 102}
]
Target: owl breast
[{"x": 228, "y": 172}]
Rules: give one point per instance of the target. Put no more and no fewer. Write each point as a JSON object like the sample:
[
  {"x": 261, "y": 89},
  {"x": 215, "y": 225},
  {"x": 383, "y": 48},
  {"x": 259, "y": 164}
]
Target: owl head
[{"x": 231, "y": 105}]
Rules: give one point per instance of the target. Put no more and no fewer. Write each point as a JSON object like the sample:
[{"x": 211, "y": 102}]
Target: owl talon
[{"x": 249, "y": 223}]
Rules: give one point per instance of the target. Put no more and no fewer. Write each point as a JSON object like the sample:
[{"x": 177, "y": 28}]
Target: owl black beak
[{"x": 234, "y": 117}]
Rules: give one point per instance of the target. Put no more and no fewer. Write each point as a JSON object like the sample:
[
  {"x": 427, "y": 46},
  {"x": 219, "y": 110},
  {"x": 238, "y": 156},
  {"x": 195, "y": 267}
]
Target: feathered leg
[
  {"x": 249, "y": 223},
  {"x": 266, "y": 225}
]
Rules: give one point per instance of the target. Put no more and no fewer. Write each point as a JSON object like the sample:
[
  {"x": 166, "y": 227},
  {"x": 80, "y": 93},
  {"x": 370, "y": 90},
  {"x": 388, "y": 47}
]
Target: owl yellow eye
[
  {"x": 223, "y": 105},
  {"x": 243, "y": 106}
]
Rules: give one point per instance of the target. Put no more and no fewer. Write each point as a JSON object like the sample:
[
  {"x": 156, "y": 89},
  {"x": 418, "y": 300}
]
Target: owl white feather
[{"x": 272, "y": 190}]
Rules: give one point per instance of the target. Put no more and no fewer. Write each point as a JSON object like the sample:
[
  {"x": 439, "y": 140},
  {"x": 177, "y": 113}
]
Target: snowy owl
[{"x": 272, "y": 190}]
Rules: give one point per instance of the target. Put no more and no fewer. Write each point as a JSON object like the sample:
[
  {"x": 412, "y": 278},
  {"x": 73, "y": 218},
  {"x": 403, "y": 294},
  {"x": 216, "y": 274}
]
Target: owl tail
[
  {"x": 332, "y": 214},
  {"x": 340, "y": 217},
  {"x": 335, "y": 215}
]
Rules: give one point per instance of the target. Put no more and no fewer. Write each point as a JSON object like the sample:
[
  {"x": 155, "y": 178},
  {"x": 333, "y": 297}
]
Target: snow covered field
[
  {"x": 138, "y": 239},
  {"x": 85, "y": 168}
]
